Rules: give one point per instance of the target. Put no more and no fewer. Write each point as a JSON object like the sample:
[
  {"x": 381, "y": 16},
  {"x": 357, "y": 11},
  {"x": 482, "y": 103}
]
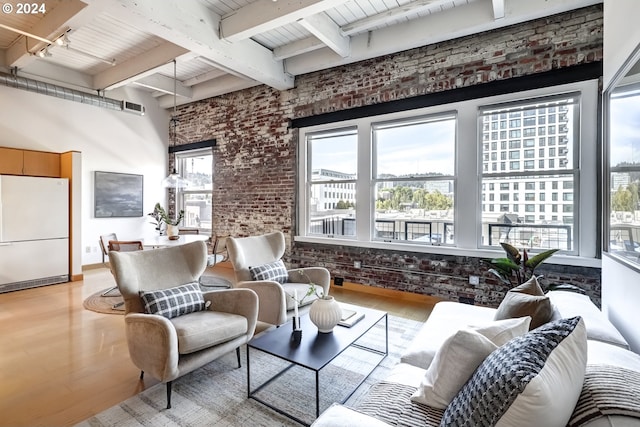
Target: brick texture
[{"x": 255, "y": 159}]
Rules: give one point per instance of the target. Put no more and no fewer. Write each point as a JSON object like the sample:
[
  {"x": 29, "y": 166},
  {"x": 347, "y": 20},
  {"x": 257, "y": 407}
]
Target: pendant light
[{"x": 174, "y": 180}]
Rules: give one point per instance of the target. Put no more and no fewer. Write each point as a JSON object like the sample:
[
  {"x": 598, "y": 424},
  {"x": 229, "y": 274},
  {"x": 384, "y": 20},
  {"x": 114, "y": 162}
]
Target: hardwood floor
[{"x": 61, "y": 363}]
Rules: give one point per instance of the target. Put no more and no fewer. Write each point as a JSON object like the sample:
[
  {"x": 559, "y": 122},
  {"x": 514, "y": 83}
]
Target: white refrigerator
[{"x": 34, "y": 231}]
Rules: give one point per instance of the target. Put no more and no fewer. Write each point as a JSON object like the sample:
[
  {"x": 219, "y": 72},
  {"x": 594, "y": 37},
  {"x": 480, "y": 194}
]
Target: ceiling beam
[
  {"x": 191, "y": 25},
  {"x": 209, "y": 89},
  {"x": 327, "y": 31},
  {"x": 498, "y": 9},
  {"x": 165, "y": 85},
  {"x": 49, "y": 27},
  {"x": 390, "y": 15},
  {"x": 460, "y": 21},
  {"x": 138, "y": 67},
  {"x": 298, "y": 47},
  {"x": 200, "y": 78},
  {"x": 265, "y": 15}
]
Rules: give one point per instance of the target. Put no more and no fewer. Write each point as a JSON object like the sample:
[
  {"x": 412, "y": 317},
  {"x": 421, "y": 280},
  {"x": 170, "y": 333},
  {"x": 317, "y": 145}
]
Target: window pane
[
  {"x": 413, "y": 201},
  {"x": 421, "y": 212},
  {"x": 624, "y": 179},
  {"x": 332, "y": 190},
  {"x": 416, "y": 148},
  {"x": 196, "y": 199},
  {"x": 334, "y": 155}
]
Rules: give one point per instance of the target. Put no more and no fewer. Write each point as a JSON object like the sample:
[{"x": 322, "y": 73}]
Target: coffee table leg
[{"x": 317, "y": 394}]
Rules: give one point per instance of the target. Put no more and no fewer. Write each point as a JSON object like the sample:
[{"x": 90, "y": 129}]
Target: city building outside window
[{"x": 536, "y": 229}]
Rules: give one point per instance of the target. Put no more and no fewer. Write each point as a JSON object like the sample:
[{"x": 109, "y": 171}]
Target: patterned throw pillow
[
  {"x": 275, "y": 271},
  {"x": 533, "y": 380},
  {"x": 173, "y": 302}
]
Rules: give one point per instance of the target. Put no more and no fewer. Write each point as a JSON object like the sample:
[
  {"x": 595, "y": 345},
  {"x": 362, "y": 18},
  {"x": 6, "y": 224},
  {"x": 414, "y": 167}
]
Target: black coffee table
[{"x": 315, "y": 350}]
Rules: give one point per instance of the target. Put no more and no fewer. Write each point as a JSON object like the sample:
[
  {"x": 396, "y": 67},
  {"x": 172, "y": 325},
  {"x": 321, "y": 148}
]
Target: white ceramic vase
[
  {"x": 325, "y": 313},
  {"x": 172, "y": 230}
]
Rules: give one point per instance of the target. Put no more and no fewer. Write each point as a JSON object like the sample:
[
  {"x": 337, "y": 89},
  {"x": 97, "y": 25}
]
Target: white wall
[
  {"x": 620, "y": 284},
  {"x": 109, "y": 140},
  {"x": 620, "y": 297},
  {"x": 621, "y": 34}
]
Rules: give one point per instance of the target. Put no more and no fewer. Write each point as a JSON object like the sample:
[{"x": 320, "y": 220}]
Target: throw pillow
[
  {"x": 526, "y": 299},
  {"x": 460, "y": 355},
  {"x": 533, "y": 380},
  {"x": 173, "y": 302},
  {"x": 274, "y": 271}
]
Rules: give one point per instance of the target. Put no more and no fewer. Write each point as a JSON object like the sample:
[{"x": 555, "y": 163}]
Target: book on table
[{"x": 350, "y": 317}]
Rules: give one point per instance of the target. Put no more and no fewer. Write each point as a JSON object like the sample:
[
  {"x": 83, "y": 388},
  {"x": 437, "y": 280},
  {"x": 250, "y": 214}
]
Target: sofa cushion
[
  {"x": 533, "y": 380},
  {"x": 338, "y": 415},
  {"x": 445, "y": 319},
  {"x": 569, "y": 304},
  {"x": 173, "y": 302},
  {"x": 204, "y": 329},
  {"x": 274, "y": 271},
  {"x": 460, "y": 355},
  {"x": 526, "y": 299}
]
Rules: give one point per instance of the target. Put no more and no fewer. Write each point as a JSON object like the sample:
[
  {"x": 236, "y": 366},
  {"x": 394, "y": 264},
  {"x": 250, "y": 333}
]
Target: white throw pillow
[{"x": 460, "y": 355}]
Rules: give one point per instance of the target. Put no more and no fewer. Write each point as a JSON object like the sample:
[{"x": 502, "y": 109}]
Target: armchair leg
[
  {"x": 169, "y": 395},
  {"x": 141, "y": 375},
  {"x": 238, "y": 356}
]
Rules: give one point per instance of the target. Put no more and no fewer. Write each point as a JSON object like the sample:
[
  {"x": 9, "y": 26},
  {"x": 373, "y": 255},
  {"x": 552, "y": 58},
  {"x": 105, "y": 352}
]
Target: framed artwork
[{"x": 117, "y": 195}]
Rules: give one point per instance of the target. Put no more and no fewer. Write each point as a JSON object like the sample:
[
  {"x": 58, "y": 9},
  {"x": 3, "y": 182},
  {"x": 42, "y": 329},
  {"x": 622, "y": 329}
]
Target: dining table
[{"x": 157, "y": 241}]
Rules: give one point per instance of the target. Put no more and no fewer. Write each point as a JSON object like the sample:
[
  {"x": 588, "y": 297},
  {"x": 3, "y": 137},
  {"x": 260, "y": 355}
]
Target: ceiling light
[
  {"x": 44, "y": 53},
  {"x": 62, "y": 40}
]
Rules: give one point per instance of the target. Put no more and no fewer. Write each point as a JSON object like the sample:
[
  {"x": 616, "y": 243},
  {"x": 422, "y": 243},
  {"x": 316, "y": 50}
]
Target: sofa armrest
[
  {"x": 272, "y": 306},
  {"x": 337, "y": 415},
  {"x": 153, "y": 344},
  {"x": 236, "y": 301}
]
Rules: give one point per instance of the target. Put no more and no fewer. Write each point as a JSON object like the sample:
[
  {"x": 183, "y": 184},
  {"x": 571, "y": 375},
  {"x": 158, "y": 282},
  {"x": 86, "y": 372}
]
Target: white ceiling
[{"x": 225, "y": 45}]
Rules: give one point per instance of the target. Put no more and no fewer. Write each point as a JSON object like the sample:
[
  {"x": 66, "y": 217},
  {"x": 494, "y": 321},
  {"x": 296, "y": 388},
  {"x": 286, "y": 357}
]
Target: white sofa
[{"x": 389, "y": 403}]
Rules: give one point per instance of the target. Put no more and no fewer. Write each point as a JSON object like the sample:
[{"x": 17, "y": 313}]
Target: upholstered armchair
[
  {"x": 191, "y": 328},
  {"x": 248, "y": 254}
]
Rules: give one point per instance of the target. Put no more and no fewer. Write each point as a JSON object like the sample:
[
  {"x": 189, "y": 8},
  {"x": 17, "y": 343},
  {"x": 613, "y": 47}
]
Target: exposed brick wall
[{"x": 255, "y": 159}]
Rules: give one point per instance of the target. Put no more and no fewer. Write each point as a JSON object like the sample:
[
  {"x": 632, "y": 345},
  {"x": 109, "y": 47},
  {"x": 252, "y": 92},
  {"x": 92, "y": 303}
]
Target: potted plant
[
  {"x": 160, "y": 216},
  {"x": 516, "y": 267}
]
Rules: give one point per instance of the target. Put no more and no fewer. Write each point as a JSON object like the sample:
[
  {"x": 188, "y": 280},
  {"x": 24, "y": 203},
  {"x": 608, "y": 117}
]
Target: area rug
[
  {"x": 109, "y": 304},
  {"x": 216, "y": 394}
]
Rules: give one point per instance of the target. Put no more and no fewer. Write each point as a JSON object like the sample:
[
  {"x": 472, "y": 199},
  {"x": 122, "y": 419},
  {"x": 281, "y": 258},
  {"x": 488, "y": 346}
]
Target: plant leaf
[
  {"x": 504, "y": 279},
  {"x": 533, "y": 262},
  {"x": 512, "y": 253}
]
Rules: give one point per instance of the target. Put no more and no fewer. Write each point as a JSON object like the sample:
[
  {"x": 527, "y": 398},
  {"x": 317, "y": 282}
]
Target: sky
[
  {"x": 625, "y": 134},
  {"x": 414, "y": 149}
]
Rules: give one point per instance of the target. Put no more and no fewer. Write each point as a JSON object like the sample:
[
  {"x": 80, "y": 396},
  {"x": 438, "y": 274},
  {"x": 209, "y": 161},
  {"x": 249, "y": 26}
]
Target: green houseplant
[
  {"x": 516, "y": 267},
  {"x": 160, "y": 217}
]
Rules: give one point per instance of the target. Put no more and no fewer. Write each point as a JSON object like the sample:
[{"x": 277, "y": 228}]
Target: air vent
[{"x": 132, "y": 107}]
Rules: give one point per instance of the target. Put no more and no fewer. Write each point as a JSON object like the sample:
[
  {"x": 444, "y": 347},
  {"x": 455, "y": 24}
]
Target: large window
[
  {"x": 540, "y": 230},
  {"x": 197, "y": 167},
  {"x": 443, "y": 179}
]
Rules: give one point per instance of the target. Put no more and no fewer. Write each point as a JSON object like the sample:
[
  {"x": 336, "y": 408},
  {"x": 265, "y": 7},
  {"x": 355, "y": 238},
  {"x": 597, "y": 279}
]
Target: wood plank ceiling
[{"x": 225, "y": 45}]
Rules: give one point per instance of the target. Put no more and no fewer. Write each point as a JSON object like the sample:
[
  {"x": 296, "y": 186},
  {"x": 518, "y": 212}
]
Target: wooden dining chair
[{"x": 122, "y": 246}]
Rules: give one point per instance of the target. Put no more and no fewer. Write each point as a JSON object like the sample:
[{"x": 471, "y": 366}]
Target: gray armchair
[
  {"x": 169, "y": 348},
  {"x": 275, "y": 299}
]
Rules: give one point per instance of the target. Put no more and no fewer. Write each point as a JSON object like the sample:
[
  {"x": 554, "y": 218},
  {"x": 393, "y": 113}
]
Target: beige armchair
[
  {"x": 275, "y": 299},
  {"x": 168, "y": 348}
]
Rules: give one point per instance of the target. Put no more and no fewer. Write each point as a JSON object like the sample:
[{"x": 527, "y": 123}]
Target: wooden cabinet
[
  {"x": 40, "y": 163},
  {"x": 14, "y": 161},
  {"x": 11, "y": 161}
]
